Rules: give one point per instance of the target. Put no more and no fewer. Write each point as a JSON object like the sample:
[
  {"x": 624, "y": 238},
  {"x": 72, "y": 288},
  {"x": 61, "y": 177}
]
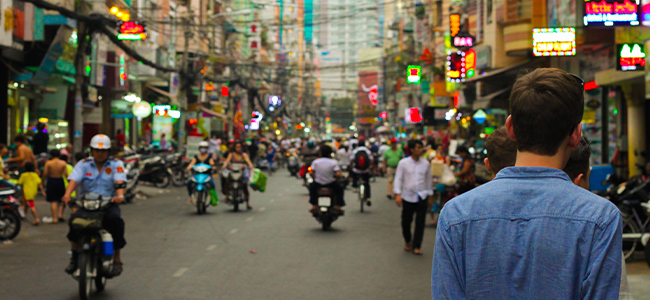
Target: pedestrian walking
[
  {"x": 465, "y": 175},
  {"x": 30, "y": 182},
  {"x": 53, "y": 173},
  {"x": 531, "y": 233},
  {"x": 413, "y": 191},
  {"x": 392, "y": 157},
  {"x": 121, "y": 139},
  {"x": 4, "y": 178},
  {"x": 23, "y": 154},
  {"x": 163, "y": 142}
]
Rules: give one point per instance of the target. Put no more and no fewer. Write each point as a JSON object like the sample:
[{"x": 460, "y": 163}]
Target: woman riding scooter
[
  {"x": 204, "y": 157},
  {"x": 239, "y": 157}
]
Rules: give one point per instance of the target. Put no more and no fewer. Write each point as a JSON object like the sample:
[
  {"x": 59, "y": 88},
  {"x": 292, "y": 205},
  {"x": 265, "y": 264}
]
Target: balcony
[{"x": 517, "y": 11}]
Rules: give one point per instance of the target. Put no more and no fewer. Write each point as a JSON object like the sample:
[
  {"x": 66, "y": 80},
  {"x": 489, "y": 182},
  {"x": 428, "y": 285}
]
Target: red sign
[
  {"x": 368, "y": 97},
  {"x": 131, "y": 27},
  {"x": 413, "y": 115},
  {"x": 383, "y": 115}
]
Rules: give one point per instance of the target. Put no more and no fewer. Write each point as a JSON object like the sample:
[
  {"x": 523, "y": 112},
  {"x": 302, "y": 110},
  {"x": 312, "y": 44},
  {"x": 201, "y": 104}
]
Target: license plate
[{"x": 324, "y": 201}]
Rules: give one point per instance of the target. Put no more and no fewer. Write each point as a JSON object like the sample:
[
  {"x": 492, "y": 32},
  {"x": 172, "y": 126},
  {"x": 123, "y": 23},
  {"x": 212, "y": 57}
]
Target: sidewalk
[{"x": 638, "y": 275}]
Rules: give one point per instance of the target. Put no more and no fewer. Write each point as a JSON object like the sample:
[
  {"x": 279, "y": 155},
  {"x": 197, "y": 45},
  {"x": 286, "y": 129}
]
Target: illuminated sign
[
  {"x": 461, "y": 65},
  {"x": 142, "y": 109},
  {"x": 554, "y": 41},
  {"x": 132, "y": 31},
  {"x": 174, "y": 114},
  {"x": 372, "y": 93},
  {"x": 132, "y": 98},
  {"x": 161, "y": 110},
  {"x": 412, "y": 115},
  {"x": 413, "y": 74},
  {"x": 454, "y": 24},
  {"x": 611, "y": 13},
  {"x": 209, "y": 86},
  {"x": 274, "y": 100},
  {"x": 224, "y": 91},
  {"x": 256, "y": 118},
  {"x": 630, "y": 57},
  {"x": 383, "y": 115},
  {"x": 463, "y": 40},
  {"x": 122, "y": 71}
]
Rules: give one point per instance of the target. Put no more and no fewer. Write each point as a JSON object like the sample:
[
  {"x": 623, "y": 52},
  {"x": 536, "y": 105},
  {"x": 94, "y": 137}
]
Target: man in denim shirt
[{"x": 531, "y": 233}]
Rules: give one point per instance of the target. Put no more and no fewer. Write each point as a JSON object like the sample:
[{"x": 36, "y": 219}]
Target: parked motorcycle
[
  {"x": 178, "y": 163},
  {"x": 95, "y": 244},
  {"x": 327, "y": 213},
  {"x": 9, "y": 216},
  {"x": 156, "y": 171},
  {"x": 132, "y": 177},
  {"x": 235, "y": 175},
  {"x": 202, "y": 182}
]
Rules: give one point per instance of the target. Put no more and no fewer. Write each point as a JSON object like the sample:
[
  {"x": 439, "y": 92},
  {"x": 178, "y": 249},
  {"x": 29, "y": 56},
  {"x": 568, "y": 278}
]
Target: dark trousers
[
  {"x": 113, "y": 223},
  {"x": 420, "y": 211},
  {"x": 336, "y": 188},
  {"x": 364, "y": 177}
]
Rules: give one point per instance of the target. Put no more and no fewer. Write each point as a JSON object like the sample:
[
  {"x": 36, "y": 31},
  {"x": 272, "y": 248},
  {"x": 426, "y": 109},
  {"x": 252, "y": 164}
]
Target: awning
[
  {"x": 612, "y": 76},
  {"x": 213, "y": 113},
  {"x": 166, "y": 94},
  {"x": 497, "y": 72},
  {"x": 484, "y": 102}
]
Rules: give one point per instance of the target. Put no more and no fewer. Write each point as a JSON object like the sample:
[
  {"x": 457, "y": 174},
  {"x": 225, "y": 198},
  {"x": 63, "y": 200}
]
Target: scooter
[
  {"x": 9, "y": 216},
  {"x": 235, "y": 175},
  {"x": 327, "y": 213},
  {"x": 96, "y": 244},
  {"x": 344, "y": 180},
  {"x": 156, "y": 171},
  {"x": 202, "y": 182},
  {"x": 132, "y": 177},
  {"x": 293, "y": 162}
]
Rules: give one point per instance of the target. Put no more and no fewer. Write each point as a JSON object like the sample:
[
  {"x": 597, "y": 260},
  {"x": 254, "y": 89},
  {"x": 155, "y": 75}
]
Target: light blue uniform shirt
[
  {"x": 529, "y": 234},
  {"x": 102, "y": 182}
]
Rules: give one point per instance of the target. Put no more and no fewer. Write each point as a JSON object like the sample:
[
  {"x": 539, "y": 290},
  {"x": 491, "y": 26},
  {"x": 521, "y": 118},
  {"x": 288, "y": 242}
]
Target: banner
[{"x": 367, "y": 97}]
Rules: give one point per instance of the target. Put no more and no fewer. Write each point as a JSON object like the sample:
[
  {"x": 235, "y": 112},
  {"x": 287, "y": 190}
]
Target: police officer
[{"x": 99, "y": 175}]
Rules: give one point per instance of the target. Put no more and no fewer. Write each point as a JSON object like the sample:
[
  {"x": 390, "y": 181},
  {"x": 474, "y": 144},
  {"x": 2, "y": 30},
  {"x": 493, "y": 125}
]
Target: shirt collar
[{"x": 532, "y": 172}]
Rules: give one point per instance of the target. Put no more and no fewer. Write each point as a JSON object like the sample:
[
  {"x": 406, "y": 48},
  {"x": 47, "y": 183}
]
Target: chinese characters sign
[
  {"x": 132, "y": 31},
  {"x": 414, "y": 74},
  {"x": 461, "y": 65},
  {"x": 554, "y": 41},
  {"x": 611, "y": 13},
  {"x": 630, "y": 57},
  {"x": 454, "y": 24}
]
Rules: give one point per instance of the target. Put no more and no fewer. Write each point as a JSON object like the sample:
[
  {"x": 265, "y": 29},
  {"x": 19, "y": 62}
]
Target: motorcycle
[
  {"x": 293, "y": 162},
  {"x": 327, "y": 213},
  {"x": 95, "y": 244},
  {"x": 344, "y": 180},
  {"x": 202, "y": 183},
  {"x": 308, "y": 178},
  {"x": 9, "y": 216},
  {"x": 132, "y": 176},
  {"x": 235, "y": 175},
  {"x": 156, "y": 171},
  {"x": 177, "y": 162}
]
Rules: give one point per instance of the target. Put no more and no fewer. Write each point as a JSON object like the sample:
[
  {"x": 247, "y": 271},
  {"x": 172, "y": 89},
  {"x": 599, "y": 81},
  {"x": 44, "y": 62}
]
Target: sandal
[
  {"x": 117, "y": 269},
  {"x": 36, "y": 223},
  {"x": 407, "y": 248},
  {"x": 417, "y": 251},
  {"x": 248, "y": 207}
]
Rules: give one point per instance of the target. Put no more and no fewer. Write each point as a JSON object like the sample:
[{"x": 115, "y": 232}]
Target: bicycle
[
  {"x": 362, "y": 191},
  {"x": 634, "y": 227}
]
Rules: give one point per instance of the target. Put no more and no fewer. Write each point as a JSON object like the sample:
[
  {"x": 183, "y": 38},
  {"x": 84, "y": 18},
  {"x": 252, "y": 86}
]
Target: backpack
[{"x": 361, "y": 160}]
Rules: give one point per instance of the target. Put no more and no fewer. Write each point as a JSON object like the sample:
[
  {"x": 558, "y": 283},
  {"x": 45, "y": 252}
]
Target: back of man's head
[
  {"x": 578, "y": 164},
  {"x": 325, "y": 151},
  {"x": 546, "y": 106},
  {"x": 501, "y": 151}
]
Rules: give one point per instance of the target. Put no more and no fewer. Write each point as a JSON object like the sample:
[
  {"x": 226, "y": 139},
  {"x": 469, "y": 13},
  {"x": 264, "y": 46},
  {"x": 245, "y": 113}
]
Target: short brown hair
[
  {"x": 546, "y": 105},
  {"x": 501, "y": 150},
  {"x": 579, "y": 159}
]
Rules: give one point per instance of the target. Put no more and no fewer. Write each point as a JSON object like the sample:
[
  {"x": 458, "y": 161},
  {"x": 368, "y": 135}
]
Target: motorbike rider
[
  {"x": 361, "y": 173},
  {"x": 204, "y": 157},
  {"x": 310, "y": 154},
  {"x": 105, "y": 176},
  {"x": 324, "y": 170},
  {"x": 238, "y": 156},
  {"x": 374, "y": 148},
  {"x": 343, "y": 155}
]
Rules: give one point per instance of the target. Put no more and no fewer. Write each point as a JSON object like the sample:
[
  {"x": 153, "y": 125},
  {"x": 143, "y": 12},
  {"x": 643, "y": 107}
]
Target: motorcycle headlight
[{"x": 91, "y": 205}]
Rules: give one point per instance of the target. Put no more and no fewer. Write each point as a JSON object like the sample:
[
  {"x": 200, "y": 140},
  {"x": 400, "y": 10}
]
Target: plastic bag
[
  {"x": 214, "y": 199},
  {"x": 258, "y": 181},
  {"x": 448, "y": 177}
]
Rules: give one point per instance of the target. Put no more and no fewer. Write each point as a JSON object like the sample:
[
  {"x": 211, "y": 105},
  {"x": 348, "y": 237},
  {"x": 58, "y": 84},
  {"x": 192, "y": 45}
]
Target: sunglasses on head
[{"x": 579, "y": 80}]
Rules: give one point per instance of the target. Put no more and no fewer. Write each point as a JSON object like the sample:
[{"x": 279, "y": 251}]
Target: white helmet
[
  {"x": 373, "y": 140},
  {"x": 101, "y": 142},
  {"x": 346, "y": 144},
  {"x": 204, "y": 144}
]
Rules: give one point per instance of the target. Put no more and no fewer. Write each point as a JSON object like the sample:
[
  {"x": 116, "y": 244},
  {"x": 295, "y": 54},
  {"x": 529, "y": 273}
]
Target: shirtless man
[
  {"x": 23, "y": 154},
  {"x": 54, "y": 171}
]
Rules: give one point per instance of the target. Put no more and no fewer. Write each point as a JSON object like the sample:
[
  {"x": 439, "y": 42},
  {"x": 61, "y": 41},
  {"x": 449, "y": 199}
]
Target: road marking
[
  {"x": 263, "y": 209},
  {"x": 272, "y": 200},
  {"x": 211, "y": 247},
  {"x": 234, "y": 231},
  {"x": 180, "y": 272},
  {"x": 249, "y": 219}
]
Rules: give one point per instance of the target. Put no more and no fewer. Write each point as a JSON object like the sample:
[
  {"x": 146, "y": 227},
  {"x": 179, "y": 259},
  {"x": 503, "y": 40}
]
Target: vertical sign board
[
  {"x": 454, "y": 24},
  {"x": 630, "y": 57}
]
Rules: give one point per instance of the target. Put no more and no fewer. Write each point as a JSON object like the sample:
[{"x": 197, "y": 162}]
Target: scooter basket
[{"x": 87, "y": 220}]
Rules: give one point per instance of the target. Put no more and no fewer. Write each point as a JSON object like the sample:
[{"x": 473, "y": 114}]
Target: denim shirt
[{"x": 529, "y": 234}]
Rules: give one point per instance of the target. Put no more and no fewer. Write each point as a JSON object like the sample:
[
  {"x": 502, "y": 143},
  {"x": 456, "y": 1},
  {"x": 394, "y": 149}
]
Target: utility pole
[{"x": 80, "y": 73}]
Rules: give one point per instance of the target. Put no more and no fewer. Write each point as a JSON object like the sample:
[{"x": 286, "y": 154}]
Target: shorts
[
  {"x": 30, "y": 203},
  {"x": 391, "y": 173},
  {"x": 55, "y": 189}
]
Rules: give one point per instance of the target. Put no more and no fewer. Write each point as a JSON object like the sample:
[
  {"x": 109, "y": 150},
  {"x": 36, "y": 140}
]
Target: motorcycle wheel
[
  {"x": 164, "y": 181},
  {"x": 199, "y": 202},
  {"x": 12, "y": 225},
  {"x": 85, "y": 275},
  {"x": 629, "y": 246},
  {"x": 362, "y": 198},
  {"x": 178, "y": 177},
  {"x": 235, "y": 201},
  {"x": 100, "y": 283},
  {"x": 327, "y": 223}
]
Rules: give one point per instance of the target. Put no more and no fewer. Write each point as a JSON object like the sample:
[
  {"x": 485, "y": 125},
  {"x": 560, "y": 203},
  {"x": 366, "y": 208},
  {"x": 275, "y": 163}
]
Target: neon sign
[
  {"x": 454, "y": 24},
  {"x": 630, "y": 57},
  {"x": 413, "y": 74},
  {"x": 132, "y": 31},
  {"x": 412, "y": 115},
  {"x": 122, "y": 71},
  {"x": 554, "y": 41},
  {"x": 461, "y": 65},
  {"x": 463, "y": 41},
  {"x": 162, "y": 110},
  {"x": 611, "y": 13},
  {"x": 372, "y": 93}
]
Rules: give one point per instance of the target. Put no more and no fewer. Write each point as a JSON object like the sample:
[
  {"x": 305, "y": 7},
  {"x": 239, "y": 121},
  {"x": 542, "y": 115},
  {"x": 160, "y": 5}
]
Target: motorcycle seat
[
  {"x": 7, "y": 191},
  {"x": 631, "y": 202},
  {"x": 325, "y": 192}
]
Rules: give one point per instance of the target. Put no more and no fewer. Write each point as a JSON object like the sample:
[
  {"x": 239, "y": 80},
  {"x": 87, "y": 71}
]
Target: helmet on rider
[
  {"x": 311, "y": 145},
  {"x": 203, "y": 147},
  {"x": 346, "y": 144},
  {"x": 373, "y": 140},
  {"x": 100, "y": 145}
]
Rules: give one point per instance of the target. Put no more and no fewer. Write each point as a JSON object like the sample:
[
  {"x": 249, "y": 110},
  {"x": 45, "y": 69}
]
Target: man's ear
[
  {"x": 510, "y": 129},
  {"x": 576, "y": 180},
  {"x": 574, "y": 138},
  {"x": 487, "y": 164}
]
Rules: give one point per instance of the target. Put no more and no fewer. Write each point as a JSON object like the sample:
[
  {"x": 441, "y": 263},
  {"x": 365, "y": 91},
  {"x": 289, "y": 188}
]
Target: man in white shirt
[
  {"x": 324, "y": 170},
  {"x": 343, "y": 156},
  {"x": 354, "y": 143},
  {"x": 414, "y": 185},
  {"x": 286, "y": 144},
  {"x": 361, "y": 172}
]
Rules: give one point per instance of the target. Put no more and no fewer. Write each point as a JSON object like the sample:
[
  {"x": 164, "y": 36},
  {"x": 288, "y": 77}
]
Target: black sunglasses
[{"x": 579, "y": 80}]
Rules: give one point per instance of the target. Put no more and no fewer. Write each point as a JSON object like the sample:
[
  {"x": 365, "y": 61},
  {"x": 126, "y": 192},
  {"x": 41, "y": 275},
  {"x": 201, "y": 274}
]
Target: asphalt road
[{"x": 172, "y": 253}]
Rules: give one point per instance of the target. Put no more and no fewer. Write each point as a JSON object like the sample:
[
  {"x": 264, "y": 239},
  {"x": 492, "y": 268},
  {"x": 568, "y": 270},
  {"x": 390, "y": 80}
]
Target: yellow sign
[{"x": 9, "y": 19}]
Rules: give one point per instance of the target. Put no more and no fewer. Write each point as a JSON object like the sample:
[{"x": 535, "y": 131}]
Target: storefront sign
[
  {"x": 413, "y": 74},
  {"x": 554, "y": 41},
  {"x": 413, "y": 115},
  {"x": 463, "y": 40},
  {"x": 256, "y": 118},
  {"x": 142, "y": 109},
  {"x": 454, "y": 24},
  {"x": 611, "y": 13},
  {"x": 461, "y": 65},
  {"x": 132, "y": 31},
  {"x": 7, "y": 17},
  {"x": 630, "y": 57},
  {"x": 161, "y": 110}
]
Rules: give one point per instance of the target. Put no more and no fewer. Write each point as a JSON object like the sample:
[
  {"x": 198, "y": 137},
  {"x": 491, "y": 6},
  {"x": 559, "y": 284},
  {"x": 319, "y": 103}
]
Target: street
[{"x": 172, "y": 253}]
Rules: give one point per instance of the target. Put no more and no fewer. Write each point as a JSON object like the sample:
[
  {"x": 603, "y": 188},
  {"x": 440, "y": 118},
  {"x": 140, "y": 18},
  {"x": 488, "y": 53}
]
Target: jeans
[
  {"x": 336, "y": 188},
  {"x": 365, "y": 177},
  {"x": 420, "y": 211},
  {"x": 112, "y": 222}
]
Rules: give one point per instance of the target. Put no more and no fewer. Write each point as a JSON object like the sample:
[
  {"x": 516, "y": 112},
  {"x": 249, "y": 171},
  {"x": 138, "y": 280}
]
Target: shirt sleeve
[
  {"x": 603, "y": 277},
  {"x": 77, "y": 173},
  {"x": 336, "y": 167},
  {"x": 397, "y": 181},
  {"x": 120, "y": 172},
  {"x": 37, "y": 179},
  {"x": 21, "y": 179},
  {"x": 446, "y": 277}
]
